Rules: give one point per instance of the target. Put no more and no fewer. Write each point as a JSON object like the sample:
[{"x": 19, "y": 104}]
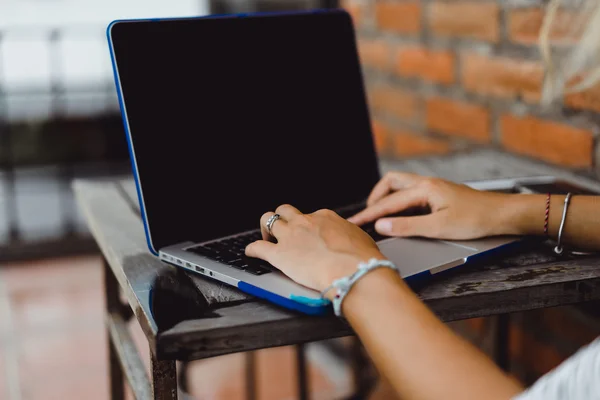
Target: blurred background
[{"x": 442, "y": 77}]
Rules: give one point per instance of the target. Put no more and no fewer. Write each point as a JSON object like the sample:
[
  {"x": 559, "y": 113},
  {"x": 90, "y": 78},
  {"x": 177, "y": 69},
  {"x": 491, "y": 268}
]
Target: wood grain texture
[
  {"x": 116, "y": 363},
  {"x": 128, "y": 187},
  {"x": 531, "y": 278},
  {"x": 213, "y": 291},
  {"x": 247, "y": 326},
  {"x": 164, "y": 379},
  {"x": 119, "y": 233},
  {"x": 525, "y": 281},
  {"x": 131, "y": 363}
]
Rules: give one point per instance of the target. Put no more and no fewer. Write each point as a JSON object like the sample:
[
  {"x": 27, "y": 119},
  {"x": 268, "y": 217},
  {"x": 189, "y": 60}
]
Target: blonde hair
[{"x": 576, "y": 69}]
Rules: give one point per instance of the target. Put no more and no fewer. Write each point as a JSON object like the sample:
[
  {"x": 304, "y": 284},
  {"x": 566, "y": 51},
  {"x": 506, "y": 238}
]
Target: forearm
[
  {"x": 524, "y": 215},
  {"x": 418, "y": 354}
]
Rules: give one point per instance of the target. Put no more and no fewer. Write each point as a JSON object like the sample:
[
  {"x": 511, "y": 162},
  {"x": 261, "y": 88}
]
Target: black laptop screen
[{"x": 232, "y": 116}]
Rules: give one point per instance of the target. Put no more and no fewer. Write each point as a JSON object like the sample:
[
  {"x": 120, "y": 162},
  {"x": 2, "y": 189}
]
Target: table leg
[
  {"x": 358, "y": 365},
  {"x": 365, "y": 377},
  {"x": 501, "y": 341},
  {"x": 303, "y": 392},
  {"x": 182, "y": 379},
  {"x": 164, "y": 378},
  {"x": 250, "y": 375},
  {"x": 111, "y": 292}
]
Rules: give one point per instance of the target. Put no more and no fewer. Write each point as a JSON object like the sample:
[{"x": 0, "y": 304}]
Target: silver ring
[{"x": 271, "y": 221}]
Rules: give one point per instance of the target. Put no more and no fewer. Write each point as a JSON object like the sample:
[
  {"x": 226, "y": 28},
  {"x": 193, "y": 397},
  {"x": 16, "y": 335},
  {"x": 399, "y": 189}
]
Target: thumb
[
  {"x": 261, "y": 249},
  {"x": 398, "y": 201},
  {"x": 422, "y": 225}
]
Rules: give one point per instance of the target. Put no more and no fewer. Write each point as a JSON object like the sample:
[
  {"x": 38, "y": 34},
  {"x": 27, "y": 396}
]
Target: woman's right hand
[
  {"x": 313, "y": 249},
  {"x": 458, "y": 212}
]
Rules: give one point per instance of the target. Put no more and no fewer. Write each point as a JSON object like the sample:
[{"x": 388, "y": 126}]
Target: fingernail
[{"x": 383, "y": 226}]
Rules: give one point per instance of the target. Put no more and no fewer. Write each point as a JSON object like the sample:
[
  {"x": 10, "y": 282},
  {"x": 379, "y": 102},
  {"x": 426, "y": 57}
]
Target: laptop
[{"x": 228, "y": 117}]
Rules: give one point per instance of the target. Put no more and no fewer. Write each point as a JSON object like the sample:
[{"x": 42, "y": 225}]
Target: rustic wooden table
[{"x": 222, "y": 320}]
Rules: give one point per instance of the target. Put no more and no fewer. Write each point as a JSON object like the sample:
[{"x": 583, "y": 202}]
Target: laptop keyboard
[{"x": 232, "y": 251}]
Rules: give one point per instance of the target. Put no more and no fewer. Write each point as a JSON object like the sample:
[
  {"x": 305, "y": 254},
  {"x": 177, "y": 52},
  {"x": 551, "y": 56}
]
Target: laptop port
[{"x": 200, "y": 269}]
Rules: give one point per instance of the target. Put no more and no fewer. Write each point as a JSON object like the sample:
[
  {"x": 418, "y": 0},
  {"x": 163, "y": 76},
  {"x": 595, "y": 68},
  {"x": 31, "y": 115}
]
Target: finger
[
  {"x": 391, "y": 182},
  {"x": 261, "y": 249},
  {"x": 396, "y": 202},
  {"x": 428, "y": 226},
  {"x": 288, "y": 211},
  {"x": 278, "y": 228}
]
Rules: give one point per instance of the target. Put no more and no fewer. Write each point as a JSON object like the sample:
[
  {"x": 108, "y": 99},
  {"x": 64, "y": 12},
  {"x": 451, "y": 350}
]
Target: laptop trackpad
[{"x": 417, "y": 255}]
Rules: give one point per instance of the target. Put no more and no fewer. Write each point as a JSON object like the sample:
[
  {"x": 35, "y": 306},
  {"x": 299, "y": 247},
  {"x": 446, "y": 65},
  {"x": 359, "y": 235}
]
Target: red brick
[
  {"x": 457, "y": 118},
  {"x": 356, "y": 11},
  {"x": 404, "y": 17},
  {"x": 550, "y": 141},
  {"x": 586, "y": 100},
  {"x": 430, "y": 65},
  {"x": 502, "y": 77},
  {"x": 400, "y": 103},
  {"x": 531, "y": 353},
  {"x": 524, "y": 26},
  {"x": 466, "y": 19},
  {"x": 381, "y": 135},
  {"x": 409, "y": 144},
  {"x": 375, "y": 54}
]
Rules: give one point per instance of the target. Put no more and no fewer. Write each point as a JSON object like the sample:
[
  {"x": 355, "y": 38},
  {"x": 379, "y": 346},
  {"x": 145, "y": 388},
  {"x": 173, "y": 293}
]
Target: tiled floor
[{"x": 53, "y": 345}]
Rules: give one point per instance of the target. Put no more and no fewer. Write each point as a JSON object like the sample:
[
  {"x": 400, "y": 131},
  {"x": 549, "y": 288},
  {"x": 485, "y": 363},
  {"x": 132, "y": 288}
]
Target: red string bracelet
[{"x": 547, "y": 214}]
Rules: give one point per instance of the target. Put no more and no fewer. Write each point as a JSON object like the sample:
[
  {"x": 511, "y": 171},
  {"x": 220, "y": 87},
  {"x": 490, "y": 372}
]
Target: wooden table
[{"x": 224, "y": 320}]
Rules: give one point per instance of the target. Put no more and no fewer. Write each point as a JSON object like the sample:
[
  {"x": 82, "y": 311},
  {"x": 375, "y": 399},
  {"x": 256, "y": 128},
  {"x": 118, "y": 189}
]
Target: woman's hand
[
  {"x": 457, "y": 211},
  {"x": 313, "y": 249}
]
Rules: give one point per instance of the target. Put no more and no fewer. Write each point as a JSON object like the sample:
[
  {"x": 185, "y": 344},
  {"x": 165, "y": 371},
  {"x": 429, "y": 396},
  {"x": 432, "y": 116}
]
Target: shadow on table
[{"x": 174, "y": 299}]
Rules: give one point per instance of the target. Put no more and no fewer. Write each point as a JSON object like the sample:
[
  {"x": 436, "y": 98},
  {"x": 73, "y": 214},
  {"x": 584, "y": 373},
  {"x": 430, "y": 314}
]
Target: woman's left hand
[{"x": 313, "y": 249}]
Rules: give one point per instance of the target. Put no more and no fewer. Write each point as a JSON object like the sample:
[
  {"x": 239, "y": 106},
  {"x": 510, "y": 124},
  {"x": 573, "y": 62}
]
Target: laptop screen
[{"x": 230, "y": 117}]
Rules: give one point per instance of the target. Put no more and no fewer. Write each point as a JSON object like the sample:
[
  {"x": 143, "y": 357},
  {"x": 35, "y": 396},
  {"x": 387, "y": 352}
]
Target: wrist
[
  {"x": 522, "y": 214},
  {"x": 344, "y": 266},
  {"x": 379, "y": 282}
]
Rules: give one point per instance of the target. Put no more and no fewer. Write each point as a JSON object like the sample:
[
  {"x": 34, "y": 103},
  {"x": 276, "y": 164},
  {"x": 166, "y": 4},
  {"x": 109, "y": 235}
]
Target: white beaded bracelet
[{"x": 343, "y": 285}]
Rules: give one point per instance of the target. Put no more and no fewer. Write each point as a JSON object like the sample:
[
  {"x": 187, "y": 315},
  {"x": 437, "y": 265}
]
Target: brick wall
[{"x": 449, "y": 75}]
